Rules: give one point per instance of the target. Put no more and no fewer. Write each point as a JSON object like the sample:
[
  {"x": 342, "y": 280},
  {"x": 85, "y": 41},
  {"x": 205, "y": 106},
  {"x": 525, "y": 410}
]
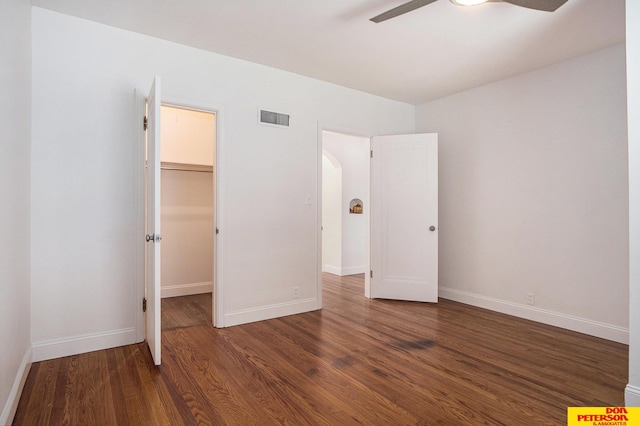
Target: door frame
[
  {"x": 351, "y": 132},
  {"x": 218, "y": 208}
]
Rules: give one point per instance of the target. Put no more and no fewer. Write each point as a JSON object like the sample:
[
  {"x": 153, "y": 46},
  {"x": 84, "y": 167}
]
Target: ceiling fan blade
[
  {"x": 402, "y": 9},
  {"x": 545, "y": 5}
]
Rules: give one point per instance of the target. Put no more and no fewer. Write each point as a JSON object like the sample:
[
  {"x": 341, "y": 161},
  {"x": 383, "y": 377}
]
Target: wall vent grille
[{"x": 274, "y": 118}]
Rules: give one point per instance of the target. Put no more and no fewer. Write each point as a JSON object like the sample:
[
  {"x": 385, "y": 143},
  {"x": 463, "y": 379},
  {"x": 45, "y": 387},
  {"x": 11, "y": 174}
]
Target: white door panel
[
  {"x": 153, "y": 325},
  {"x": 404, "y": 217}
]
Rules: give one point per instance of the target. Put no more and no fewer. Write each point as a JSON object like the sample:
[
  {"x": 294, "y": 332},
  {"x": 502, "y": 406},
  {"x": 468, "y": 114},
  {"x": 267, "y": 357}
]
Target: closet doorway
[{"x": 187, "y": 216}]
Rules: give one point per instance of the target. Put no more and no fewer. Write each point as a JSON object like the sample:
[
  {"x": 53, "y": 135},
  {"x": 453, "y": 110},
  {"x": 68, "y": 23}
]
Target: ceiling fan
[{"x": 545, "y": 5}]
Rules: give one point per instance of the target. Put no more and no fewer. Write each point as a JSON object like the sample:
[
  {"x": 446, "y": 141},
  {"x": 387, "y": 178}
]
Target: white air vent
[{"x": 271, "y": 118}]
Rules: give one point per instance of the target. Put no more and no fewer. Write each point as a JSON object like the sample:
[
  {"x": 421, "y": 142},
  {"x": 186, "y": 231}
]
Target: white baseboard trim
[
  {"x": 632, "y": 396},
  {"x": 352, "y": 270},
  {"x": 58, "y": 348},
  {"x": 10, "y": 407},
  {"x": 332, "y": 269},
  {"x": 349, "y": 270},
  {"x": 186, "y": 289},
  {"x": 569, "y": 322},
  {"x": 269, "y": 312}
]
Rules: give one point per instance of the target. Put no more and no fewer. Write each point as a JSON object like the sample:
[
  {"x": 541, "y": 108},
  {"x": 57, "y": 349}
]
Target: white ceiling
[{"x": 434, "y": 51}]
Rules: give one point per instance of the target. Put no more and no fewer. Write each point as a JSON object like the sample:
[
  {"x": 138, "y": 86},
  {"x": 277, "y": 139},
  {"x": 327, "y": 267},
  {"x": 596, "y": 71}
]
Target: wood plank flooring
[
  {"x": 187, "y": 311},
  {"x": 356, "y": 361}
]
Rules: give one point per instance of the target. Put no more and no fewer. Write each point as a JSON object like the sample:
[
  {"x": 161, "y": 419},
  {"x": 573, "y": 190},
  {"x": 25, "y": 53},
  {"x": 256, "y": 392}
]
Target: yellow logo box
[{"x": 603, "y": 416}]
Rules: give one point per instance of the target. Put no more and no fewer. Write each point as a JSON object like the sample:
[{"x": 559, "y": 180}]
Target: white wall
[
  {"x": 15, "y": 122},
  {"x": 331, "y": 214},
  {"x": 534, "y": 194},
  {"x": 353, "y": 154},
  {"x": 85, "y": 196},
  {"x": 187, "y": 232},
  {"x": 632, "y": 394},
  {"x": 187, "y": 136}
]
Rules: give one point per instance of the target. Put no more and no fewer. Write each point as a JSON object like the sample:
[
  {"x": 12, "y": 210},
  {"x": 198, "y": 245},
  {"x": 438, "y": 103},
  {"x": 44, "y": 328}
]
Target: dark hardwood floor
[{"x": 356, "y": 361}]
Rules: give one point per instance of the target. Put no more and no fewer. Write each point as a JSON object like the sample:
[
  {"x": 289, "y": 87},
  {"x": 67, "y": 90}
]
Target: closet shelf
[{"x": 165, "y": 165}]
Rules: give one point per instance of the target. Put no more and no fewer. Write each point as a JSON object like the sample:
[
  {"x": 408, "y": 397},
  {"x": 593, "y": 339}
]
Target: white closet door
[{"x": 153, "y": 326}]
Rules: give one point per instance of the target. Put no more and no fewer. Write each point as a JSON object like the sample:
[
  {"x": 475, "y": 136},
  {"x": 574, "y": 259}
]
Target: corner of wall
[
  {"x": 15, "y": 177},
  {"x": 9, "y": 410},
  {"x": 632, "y": 391}
]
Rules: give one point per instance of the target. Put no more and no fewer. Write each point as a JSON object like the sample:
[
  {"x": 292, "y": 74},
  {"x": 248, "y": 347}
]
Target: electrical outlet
[
  {"x": 531, "y": 299},
  {"x": 296, "y": 292}
]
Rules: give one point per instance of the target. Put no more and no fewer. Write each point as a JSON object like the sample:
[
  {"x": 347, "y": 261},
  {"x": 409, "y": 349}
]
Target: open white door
[
  {"x": 404, "y": 217},
  {"x": 153, "y": 222}
]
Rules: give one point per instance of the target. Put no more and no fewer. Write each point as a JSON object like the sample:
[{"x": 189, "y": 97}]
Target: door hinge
[
  {"x": 371, "y": 152},
  {"x": 370, "y": 274},
  {"x": 217, "y": 231},
  {"x": 144, "y": 305},
  {"x": 145, "y": 123}
]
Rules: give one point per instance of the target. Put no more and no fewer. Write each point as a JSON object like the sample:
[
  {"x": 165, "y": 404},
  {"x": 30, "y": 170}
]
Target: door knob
[
  {"x": 153, "y": 238},
  {"x": 432, "y": 228}
]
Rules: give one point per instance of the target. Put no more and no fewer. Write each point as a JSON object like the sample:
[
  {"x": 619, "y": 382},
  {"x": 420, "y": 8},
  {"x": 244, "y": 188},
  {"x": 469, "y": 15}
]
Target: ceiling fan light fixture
[
  {"x": 545, "y": 5},
  {"x": 468, "y": 2}
]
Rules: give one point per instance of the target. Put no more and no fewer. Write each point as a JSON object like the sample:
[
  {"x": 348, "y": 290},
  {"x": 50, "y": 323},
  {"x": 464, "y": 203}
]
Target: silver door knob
[
  {"x": 432, "y": 228},
  {"x": 154, "y": 238}
]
